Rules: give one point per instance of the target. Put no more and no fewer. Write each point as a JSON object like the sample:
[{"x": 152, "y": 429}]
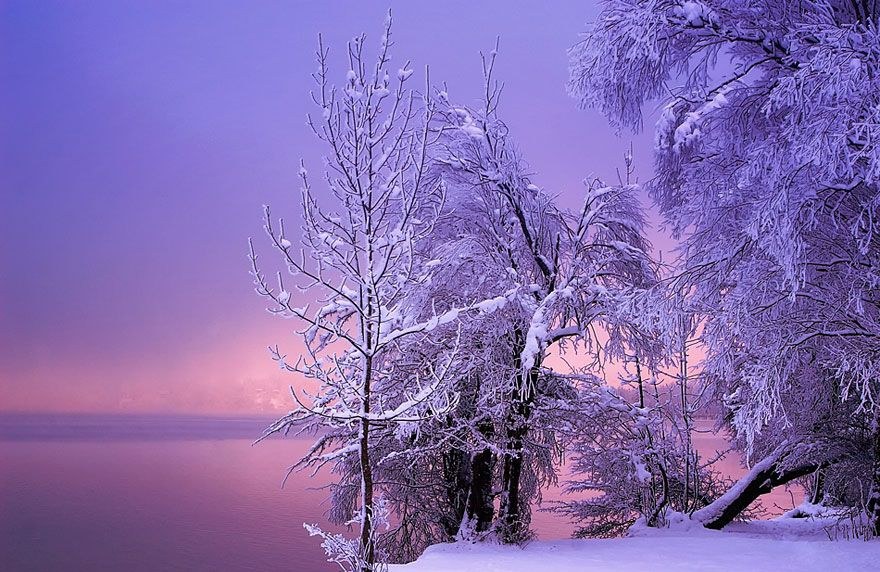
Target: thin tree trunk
[
  {"x": 818, "y": 488},
  {"x": 368, "y": 547},
  {"x": 690, "y": 463},
  {"x": 653, "y": 518}
]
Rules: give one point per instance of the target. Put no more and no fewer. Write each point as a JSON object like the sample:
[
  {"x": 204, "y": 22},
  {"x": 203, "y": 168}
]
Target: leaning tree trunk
[{"x": 763, "y": 477}]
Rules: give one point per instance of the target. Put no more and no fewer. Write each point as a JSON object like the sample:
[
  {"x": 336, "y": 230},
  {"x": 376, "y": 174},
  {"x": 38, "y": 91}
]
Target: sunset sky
[{"x": 138, "y": 141}]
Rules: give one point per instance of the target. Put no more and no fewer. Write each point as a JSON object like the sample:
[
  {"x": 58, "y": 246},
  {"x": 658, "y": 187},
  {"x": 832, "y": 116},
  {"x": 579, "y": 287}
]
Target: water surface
[{"x": 169, "y": 493}]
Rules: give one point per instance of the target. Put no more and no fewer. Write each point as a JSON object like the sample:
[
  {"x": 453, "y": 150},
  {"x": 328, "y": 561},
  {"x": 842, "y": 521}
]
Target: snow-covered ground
[{"x": 795, "y": 545}]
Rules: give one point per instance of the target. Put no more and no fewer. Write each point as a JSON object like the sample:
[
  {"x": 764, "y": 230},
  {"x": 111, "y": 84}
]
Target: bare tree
[{"x": 359, "y": 254}]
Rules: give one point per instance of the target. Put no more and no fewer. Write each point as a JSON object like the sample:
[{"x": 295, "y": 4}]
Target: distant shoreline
[{"x": 16, "y": 426}]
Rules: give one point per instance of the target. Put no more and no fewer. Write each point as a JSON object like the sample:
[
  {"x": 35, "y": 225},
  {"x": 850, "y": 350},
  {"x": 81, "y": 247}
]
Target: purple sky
[{"x": 138, "y": 141}]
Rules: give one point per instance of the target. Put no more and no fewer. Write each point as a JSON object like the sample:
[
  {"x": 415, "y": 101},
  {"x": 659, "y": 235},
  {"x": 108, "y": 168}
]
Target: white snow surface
[{"x": 795, "y": 545}]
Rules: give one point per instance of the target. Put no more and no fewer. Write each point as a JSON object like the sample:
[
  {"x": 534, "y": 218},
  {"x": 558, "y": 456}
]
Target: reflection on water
[
  {"x": 162, "y": 505},
  {"x": 99, "y": 494}
]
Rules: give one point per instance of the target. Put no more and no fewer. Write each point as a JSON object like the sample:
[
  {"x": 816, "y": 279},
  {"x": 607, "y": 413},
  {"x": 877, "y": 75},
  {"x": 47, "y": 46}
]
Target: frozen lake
[{"x": 168, "y": 493}]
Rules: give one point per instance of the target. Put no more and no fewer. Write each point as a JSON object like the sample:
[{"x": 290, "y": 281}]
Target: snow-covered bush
[
  {"x": 632, "y": 456},
  {"x": 352, "y": 555}
]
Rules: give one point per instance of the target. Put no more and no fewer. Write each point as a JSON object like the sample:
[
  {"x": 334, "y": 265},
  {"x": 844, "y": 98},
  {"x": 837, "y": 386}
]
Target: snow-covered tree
[
  {"x": 562, "y": 276},
  {"x": 768, "y": 170},
  {"x": 357, "y": 258}
]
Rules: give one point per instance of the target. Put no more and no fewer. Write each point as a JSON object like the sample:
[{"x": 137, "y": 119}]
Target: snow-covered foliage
[
  {"x": 768, "y": 170},
  {"x": 562, "y": 277},
  {"x": 632, "y": 456},
  {"x": 350, "y": 554},
  {"x": 490, "y": 277},
  {"x": 435, "y": 279}
]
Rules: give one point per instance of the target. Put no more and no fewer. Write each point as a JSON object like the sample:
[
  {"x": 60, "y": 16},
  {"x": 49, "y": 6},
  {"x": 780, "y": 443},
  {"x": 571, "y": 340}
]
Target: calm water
[{"x": 148, "y": 493}]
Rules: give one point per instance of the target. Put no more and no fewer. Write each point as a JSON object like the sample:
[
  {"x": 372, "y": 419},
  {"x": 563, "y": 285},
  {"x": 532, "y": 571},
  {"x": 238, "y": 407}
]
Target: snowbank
[{"x": 767, "y": 546}]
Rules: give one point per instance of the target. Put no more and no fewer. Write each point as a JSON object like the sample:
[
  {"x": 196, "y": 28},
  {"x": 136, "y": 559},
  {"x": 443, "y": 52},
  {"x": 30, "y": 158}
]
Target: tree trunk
[
  {"x": 468, "y": 474},
  {"x": 511, "y": 520},
  {"x": 457, "y": 476},
  {"x": 368, "y": 547},
  {"x": 481, "y": 509},
  {"x": 512, "y": 528},
  {"x": 873, "y": 506},
  {"x": 763, "y": 477},
  {"x": 817, "y": 493}
]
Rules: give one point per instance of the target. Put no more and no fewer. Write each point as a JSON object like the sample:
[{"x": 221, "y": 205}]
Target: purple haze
[{"x": 138, "y": 142}]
